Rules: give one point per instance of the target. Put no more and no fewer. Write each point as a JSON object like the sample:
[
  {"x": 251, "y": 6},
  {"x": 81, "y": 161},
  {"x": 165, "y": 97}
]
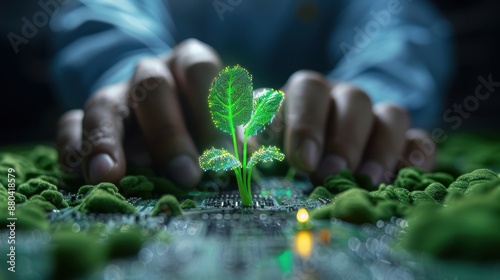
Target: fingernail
[
  {"x": 308, "y": 154},
  {"x": 99, "y": 166},
  {"x": 372, "y": 169},
  {"x": 183, "y": 171},
  {"x": 330, "y": 165}
]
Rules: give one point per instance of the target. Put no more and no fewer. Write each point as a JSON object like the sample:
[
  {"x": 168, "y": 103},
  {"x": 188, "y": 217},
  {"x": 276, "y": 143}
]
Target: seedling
[{"x": 233, "y": 103}]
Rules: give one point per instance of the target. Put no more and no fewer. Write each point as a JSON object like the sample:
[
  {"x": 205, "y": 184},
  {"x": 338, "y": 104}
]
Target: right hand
[{"x": 160, "y": 116}]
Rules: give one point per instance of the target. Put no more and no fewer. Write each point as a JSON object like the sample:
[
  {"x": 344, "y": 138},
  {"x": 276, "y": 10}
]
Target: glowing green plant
[{"x": 233, "y": 103}]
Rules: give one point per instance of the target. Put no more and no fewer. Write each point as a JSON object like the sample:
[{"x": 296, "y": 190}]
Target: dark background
[{"x": 29, "y": 109}]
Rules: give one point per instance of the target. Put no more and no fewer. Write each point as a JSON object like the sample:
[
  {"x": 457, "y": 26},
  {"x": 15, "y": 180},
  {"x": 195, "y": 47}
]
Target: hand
[
  {"x": 333, "y": 126},
  {"x": 146, "y": 120}
]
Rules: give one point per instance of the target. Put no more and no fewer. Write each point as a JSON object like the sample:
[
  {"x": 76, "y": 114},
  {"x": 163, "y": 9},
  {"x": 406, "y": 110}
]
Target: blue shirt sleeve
[
  {"x": 98, "y": 43},
  {"x": 397, "y": 51}
]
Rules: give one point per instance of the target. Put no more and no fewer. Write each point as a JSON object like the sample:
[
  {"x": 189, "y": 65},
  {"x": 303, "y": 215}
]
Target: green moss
[
  {"x": 19, "y": 163},
  {"x": 44, "y": 158},
  {"x": 76, "y": 255},
  {"x": 28, "y": 218},
  {"x": 40, "y": 201},
  {"x": 84, "y": 190},
  {"x": 439, "y": 177},
  {"x": 136, "y": 186},
  {"x": 340, "y": 182},
  {"x": 35, "y": 186},
  {"x": 465, "y": 152},
  {"x": 390, "y": 208},
  {"x": 125, "y": 243},
  {"x": 110, "y": 188},
  {"x": 323, "y": 213},
  {"x": 353, "y": 206},
  {"x": 470, "y": 179},
  {"x": 437, "y": 191},
  {"x": 188, "y": 204},
  {"x": 102, "y": 201},
  {"x": 4, "y": 196},
  {"x": 51, "y": 179},
  {"x": 466, "y": 229},
  {"x": 320, "y": 192},
  {"x": 414, "y": 179},
  {"x": 452, "y": 197},
  {"x": 360, "y": 206},
  {"x": 167, "y": 204},
  {"x": 385, "y": 192},
  {"x": 56, "y": 198},
  {"x": 403, "y": 195},
  {"x": 409, "y": 178},
  {"x": 421, "y": 197},
  {"x": 20, "y": 198},
  {"x": 482, "y": 188}
]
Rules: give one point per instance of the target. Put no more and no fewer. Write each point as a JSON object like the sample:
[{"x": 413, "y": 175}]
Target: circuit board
[{"x": 220, "y": 239}]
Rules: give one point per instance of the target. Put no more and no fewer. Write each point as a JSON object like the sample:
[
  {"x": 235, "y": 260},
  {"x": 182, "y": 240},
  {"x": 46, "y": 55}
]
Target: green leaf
[
  {"x": 230, "y": 98},
  {"x": 266, "y": 103},
  {"x": 218, "y": 159},
  {"x": 265, "y": 154}
]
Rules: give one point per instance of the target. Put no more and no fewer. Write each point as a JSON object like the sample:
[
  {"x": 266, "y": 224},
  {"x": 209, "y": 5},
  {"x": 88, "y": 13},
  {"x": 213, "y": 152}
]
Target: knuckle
[
  {"x": 110, "y": 98},
  {"x": 69, "y": 117},
  {"x": 145, "y": 64},
  {"x": 393, "y": 111},
  {"x": 353, "y": 94},
  {"x": 99, "y": 97},
  {"x": 192, "y": 43},
  {"x": 149, "y": 71},
  {"x": 309, "y": 78}
]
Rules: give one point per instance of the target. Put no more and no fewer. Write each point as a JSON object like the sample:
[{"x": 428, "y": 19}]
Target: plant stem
[
  {"x": 246, "y": 198},
  {"x": 247, "y": 186},
  {"x": 249, "y": 183}
]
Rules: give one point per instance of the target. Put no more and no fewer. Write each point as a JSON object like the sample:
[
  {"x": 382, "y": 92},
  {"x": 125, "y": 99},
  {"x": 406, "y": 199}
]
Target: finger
[
  {"x": 349, "y": 127},
  {"x": 159, "y": 114},
  {"x": 387, "y": 142},
  {"x": 420, "y": 150},
  {"x": 306, "y": 112},
  {"x": 194, "y": 66},
  {"x": 69, "y": 136},
  {"x": 101, "y": 145}
]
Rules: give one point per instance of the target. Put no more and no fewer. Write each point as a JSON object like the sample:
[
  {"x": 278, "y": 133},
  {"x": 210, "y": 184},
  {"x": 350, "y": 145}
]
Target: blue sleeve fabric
[
  {"x": 99, "y": 42},
  {"x": 397, "y": 51}
]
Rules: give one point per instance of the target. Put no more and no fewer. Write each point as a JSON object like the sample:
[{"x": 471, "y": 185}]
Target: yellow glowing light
[
  {"x": 304, "y": 243},
  {"x": 302, "y": 215}
]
